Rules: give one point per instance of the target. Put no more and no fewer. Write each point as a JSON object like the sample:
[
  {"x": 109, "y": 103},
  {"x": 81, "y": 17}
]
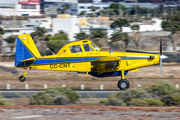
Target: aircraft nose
[{"x": 163, "y": 57}]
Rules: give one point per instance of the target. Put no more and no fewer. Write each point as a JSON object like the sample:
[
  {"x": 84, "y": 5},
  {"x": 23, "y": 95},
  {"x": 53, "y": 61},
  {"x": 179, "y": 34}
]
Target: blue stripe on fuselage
[{"x": 65, "y": 60}]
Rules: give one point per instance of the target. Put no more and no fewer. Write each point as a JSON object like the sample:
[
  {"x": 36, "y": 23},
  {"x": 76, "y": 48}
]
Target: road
[{"x": 15, "y": 94}]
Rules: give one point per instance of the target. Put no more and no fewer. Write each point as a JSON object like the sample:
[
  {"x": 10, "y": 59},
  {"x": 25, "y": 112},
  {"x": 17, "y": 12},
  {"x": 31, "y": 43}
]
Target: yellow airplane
[{"x": 84, "y": 56}]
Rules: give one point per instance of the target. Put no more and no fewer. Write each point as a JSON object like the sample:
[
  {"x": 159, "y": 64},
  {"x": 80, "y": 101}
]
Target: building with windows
[
  {"x": 28, "y": 7},
  {"x": 54, "y": 7},
  {"x": 19, "y": 7},
  {"x": 87, "y": 7},
  {"x": 8, "y": 7}
]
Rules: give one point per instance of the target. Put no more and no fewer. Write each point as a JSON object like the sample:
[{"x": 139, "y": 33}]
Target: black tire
[
  {"x": 123, "y": 84},
  {"x": 22, "y": 80}
]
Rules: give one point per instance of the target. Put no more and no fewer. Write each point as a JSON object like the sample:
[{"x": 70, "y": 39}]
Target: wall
[
  {"x": 68, "y": 25},
  {"x": 10, "y": 23}
]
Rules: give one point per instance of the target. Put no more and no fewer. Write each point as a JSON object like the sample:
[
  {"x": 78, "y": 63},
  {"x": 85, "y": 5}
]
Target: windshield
[{"x": 95, "y": 47}]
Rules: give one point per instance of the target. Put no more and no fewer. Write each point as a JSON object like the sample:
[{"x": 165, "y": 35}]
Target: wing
[{"x": 105, "y": 59}]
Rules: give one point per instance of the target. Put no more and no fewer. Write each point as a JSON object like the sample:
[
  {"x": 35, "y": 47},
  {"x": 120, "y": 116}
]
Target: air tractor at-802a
[{"x": 84, "y": 56}]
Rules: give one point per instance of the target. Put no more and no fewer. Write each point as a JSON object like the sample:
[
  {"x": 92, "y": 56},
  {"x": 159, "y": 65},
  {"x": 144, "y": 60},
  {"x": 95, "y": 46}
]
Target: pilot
[
  {"x": 73, "y": 49},
  {"x": 86, "y": 47}
]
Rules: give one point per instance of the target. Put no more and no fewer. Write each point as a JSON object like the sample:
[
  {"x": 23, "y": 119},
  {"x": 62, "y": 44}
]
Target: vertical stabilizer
[{"x": 25, "y": 49}]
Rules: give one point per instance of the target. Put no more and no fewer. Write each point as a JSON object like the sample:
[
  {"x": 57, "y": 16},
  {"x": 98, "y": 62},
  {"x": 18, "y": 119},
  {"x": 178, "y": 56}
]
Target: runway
[{"x": 17, "y": 94}]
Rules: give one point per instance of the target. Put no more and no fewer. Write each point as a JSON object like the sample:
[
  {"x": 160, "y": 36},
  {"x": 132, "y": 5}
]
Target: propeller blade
[
  {"x": 161, "y": 46},
  {"x": 161, "y": 56},
  {"x": 161, "y": 65}
]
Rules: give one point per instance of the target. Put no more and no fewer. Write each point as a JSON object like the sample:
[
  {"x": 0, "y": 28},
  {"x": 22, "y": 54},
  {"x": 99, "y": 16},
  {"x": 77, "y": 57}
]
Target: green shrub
[
  {"x": 171, "y": 99},
  {"x": 128, "y": 95},
  {"x": 161, "y": 88},
  {"x": 116, "y": 102},
  {"x": 72, "y": 96},
  {"x": 104, "y": 101},
  {"x": 48, "y": 97},
  {"x": 61, "y": 100},
  {"x": 3, "y": 101},
  {"x": 154, "y": 102},
  {"x": 146, "y": 102},
  {"x": 139, "y": 102},
  {"x": 158, "y": 94},
  {"x": 112, "y": 96}
]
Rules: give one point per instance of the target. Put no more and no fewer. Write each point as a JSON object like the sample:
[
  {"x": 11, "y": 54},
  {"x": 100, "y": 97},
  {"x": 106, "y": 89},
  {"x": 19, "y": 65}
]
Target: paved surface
[{"x": 28, "y": 93}]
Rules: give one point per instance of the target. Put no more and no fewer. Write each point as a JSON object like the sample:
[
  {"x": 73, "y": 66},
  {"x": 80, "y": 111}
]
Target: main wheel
[
  {"x": 123, "y": 84},
  {"x": 22, "y": 79}
]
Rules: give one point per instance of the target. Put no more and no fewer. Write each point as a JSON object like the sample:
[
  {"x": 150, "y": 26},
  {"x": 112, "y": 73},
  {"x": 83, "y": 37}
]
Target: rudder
[{"x": 25, "y": 49}]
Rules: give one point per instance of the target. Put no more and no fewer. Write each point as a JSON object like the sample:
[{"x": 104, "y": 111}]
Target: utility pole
[{"x": 14, "y": 17}]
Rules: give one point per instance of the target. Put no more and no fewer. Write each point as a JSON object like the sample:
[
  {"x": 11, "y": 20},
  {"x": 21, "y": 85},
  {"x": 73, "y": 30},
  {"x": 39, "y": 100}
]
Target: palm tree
[
  {"x": 173, "y": 25},
  {"x": 136, "y": 37},
  {"x": 38, "y": 37},
  {"x": 58, "y": 10},
  {"x": 117, "y": 36},
  {"x": 93, "y": 9},
  {"x": 119, "y": 23},
  {"x": 81, "y": 36},
  {"x": 65, "y": 7},
  {"x": 2, "y": 31},
  {"x": 61, "y": 31},
  {"x": 117, "y": 8},
  {"x": 174, "y": 37},
  {"x": 99, "y": 36},
  {"x": 83, "y": 13},
  {"x": 11, "y": 40},
  {"x": 57, "y": 41}
]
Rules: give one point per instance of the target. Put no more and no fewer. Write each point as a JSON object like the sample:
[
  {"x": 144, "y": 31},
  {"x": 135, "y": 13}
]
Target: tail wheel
[
  {"x": 22, "y": 78},
  {"x": 123, "y": 84}
]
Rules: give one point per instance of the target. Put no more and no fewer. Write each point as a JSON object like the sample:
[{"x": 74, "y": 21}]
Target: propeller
[{"x": 161, "y": 56}]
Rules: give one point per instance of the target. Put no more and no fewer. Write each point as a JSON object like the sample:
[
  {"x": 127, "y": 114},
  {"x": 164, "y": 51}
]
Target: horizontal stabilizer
[{"x": 29, "y": 60}]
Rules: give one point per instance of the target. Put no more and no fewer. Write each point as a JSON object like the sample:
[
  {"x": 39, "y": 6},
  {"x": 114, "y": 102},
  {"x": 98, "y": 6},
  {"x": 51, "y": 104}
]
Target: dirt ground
[
  {"x": 88, "y": 109},
  {"x": 88, "y": 113},
  {"x": 146, "y": 76}
]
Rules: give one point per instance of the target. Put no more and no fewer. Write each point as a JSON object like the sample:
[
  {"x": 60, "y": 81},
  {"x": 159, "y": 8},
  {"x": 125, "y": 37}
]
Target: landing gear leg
[
  {"x": 23, "y": 78},
  {"x": 123, "y": 84}
]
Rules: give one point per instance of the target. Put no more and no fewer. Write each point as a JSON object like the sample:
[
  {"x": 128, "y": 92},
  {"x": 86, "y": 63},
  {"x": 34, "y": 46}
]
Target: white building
[
  {"x": 156, "y": 26},
  {"x": 19, "y": 7},
  {"x": 68, "y": 25},
  {"x": 41, "y": 22}
]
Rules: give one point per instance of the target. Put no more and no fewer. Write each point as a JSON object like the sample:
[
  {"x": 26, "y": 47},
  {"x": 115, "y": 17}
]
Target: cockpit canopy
[{"x": 79, "y": 46}]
